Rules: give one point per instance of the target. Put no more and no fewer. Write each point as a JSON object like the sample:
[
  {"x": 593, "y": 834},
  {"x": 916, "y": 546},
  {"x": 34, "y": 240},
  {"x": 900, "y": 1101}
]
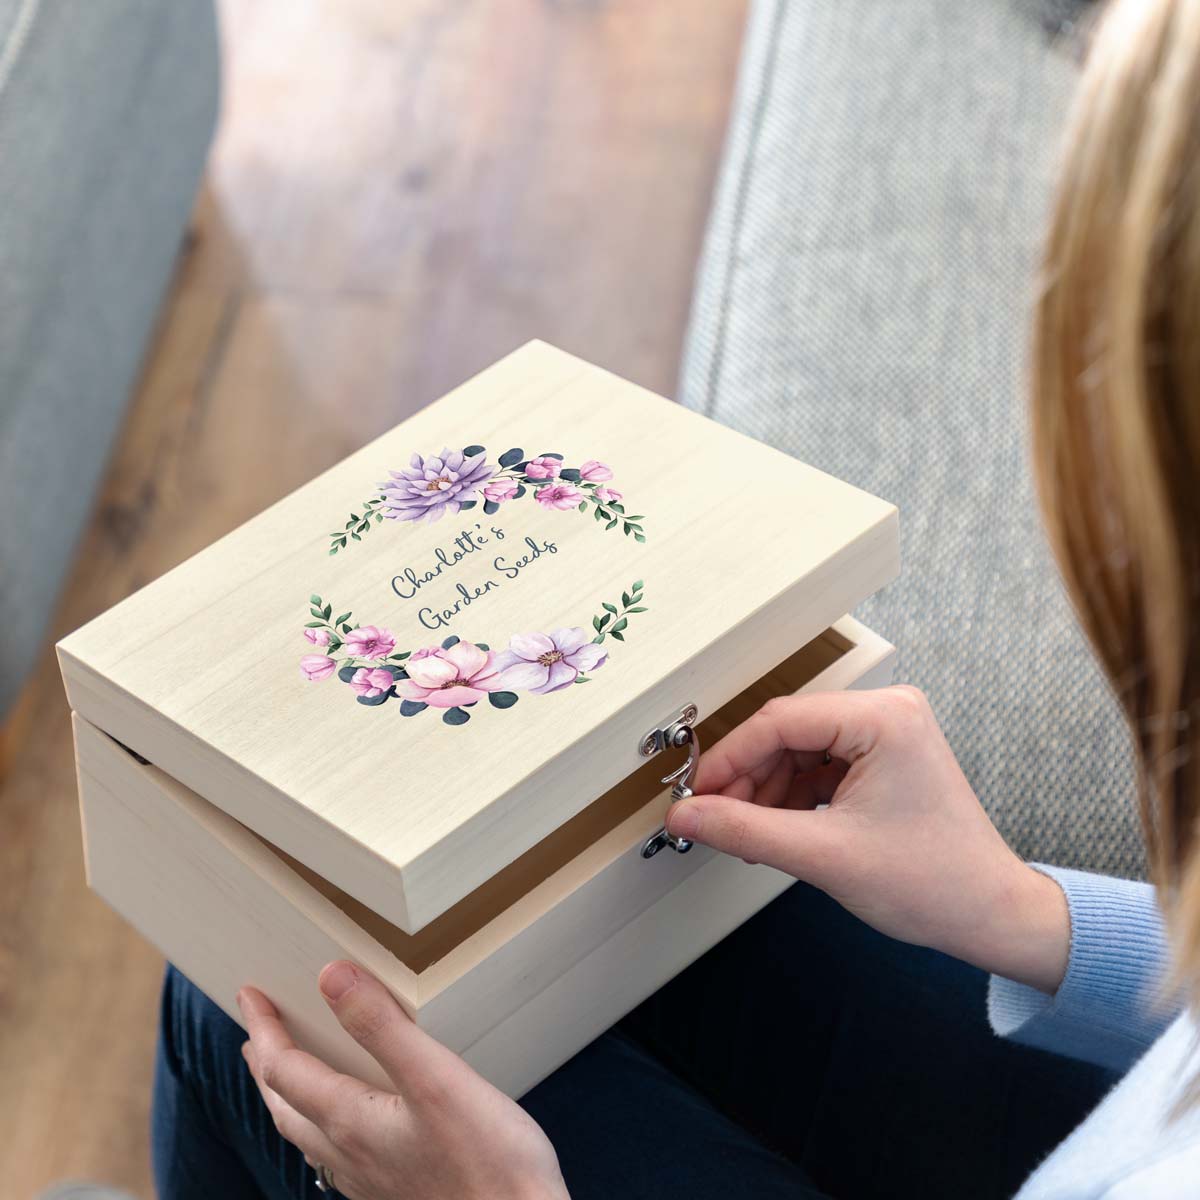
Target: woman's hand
[
  {"x": 904, "y": 843},
  {"x": 443, "y": 1133}
]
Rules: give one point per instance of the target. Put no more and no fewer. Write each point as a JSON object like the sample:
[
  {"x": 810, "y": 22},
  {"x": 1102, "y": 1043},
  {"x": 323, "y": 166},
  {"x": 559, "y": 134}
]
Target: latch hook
[{"x": 680, "y": 733}]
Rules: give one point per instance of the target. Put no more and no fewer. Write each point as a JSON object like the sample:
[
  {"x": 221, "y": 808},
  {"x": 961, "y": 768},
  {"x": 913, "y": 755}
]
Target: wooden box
[{"x": 402, "y": 716}]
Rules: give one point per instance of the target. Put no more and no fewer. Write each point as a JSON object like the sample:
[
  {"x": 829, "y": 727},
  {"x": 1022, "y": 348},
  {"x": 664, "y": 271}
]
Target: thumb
[
  {"x": 370, "y": 1014},
  {"x": 798, "y": 841}
]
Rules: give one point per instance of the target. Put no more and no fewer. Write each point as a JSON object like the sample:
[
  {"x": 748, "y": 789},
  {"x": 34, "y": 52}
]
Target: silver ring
[{"x": 324, "y": 1178}]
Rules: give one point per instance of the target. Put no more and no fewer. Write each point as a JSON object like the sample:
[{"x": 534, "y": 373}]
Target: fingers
[
  {"x": 370, "y": 1014},
  {"x": 297, "y": 1129},
  {"x": 804, "y": 844},
  {"x": 309, "y": 1086},
  {"x": 844, "y": 725}
]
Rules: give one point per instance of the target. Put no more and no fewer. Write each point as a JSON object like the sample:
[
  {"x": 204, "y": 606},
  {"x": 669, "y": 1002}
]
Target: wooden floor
[{"x": 401, "y": 191}]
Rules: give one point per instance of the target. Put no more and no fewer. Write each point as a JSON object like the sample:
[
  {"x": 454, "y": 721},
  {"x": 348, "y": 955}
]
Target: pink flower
[
  {"x": 424, "y": 653},
  {"x": 501, "y": 490},
  {"x": 369, "y": 642},
  {"x": 595, "y": 472},
  {"x": 559, "y": 495},
  {"x": 448, "y": 678},
  {"x": 608, "y": 495},
  {"x": 317, "y": 666},
  {"x": 543, "y": 468},
  {"x": 318, "y": 637},
  {"x": 546, "y": 662},
  {"x": 371, "y": 681}
]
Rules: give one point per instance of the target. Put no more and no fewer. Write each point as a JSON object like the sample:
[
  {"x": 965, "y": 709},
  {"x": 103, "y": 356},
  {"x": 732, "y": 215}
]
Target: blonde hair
[{"x": 1116, "y": 412}]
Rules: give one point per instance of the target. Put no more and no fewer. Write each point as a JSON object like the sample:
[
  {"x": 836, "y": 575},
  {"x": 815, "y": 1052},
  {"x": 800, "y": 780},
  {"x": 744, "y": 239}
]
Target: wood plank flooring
[{"x": 400, "y": 192}]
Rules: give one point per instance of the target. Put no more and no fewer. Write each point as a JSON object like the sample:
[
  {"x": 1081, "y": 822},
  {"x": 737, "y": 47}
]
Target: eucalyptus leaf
[
  {"x": 510, "y": 458},
  {"x": 450, "y": 641},
  {"x": 570, "y": 474},
  {"x": 456, "y": 716},
  {"x": 467, "y": 504},
  {"x": 482, "y": 646},
  {"x": 490, "y": 507},
  {"x": 503, "y": 699},
  {"x": 471, "y": 451},
  {"x": 376, "y": 701},
  {"x": 520, "y": 492},
  {"x": 410, "y": 708},
  {"x": 551, "y": 454},
  {"x": 345, "y": 674}
]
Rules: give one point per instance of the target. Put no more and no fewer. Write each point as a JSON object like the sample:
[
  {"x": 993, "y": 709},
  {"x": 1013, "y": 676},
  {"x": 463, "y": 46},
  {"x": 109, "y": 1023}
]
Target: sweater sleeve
[{"x": 1108, "y": 1008}]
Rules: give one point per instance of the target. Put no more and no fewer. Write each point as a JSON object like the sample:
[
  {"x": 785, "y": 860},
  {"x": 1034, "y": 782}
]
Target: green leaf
[
  {"x": 637, "y": 586},
  {"x": 346, "y": 673},
  {"x": 353, "y": 520},
  {"x": 356, "y": 537},
  {"x": 327, "y": 611},
  {"x": 399, "y": 657},
  {"x": 491, "y": 507},
  {"x": 316, "y": 612},
  {"x": 601, "y": 512},
  {"x": 619, "y": 636},
  {"x": 510, "y": 458},
  {"x": 471, "y": 451},
  {"x": 628, "y": 527},
  {"x": 378, "y": 517},
  {"x": 503, "y": 699},
  {"x": 314, "y": 624},
  {"x": 482, "y": 646},
  {"x": 342, "y": 543},
  {"x": 617, "y": 507},
  {"x": 597, "y": 513},
  {"x": 612, "y": 608},
  {"x": 604, "y": 620},
  {"x": 599, "y": 639},
  {"x": 596, "y": 624},
  {"x": 519, "y": 492},
  {"x": 376, "y": 701},
  {"x": 467, "y": 504},
  {"x": 612, "y": 524},
  {"x": 625, "y": 600},
  {"x": 620, "y": 625},
  {"x": 639, "y": 537},
  {"x": 551, "y": 454},
  {"x": 364, "y": 526},
  {"x": 456, "y": 716},
  {"x": 582, "y": 679},
  {"x": 334, "y": 550},
  {"x": 583, "y": 506},
  {"x": 410, "y": 708},
  {"x": 335, "y": 644},
  {"x": 633, "y": 610},
  {"x": 343, "y": 618},
  {"x": 450, "y": 641},
  {"x": 345, "y": 628},
  {"x": 314, "y": 599}
]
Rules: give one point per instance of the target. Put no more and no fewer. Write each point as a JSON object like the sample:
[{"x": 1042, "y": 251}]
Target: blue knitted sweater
[{"x": 1109, "y": 1010}]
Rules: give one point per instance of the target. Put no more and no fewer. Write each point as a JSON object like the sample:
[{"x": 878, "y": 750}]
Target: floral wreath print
[
  {"x": 456, "y": 480},
  {"x": 456, "y": 675}
]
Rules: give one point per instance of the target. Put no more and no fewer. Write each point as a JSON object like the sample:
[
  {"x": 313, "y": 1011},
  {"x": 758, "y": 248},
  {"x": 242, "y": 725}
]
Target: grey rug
[{"x": 863, "y": 303}]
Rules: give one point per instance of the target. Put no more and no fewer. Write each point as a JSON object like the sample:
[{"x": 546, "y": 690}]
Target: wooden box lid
[{"x": 300, "y": 673}]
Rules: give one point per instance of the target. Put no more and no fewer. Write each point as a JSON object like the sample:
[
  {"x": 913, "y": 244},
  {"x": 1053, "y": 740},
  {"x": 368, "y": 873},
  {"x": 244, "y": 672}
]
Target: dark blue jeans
[{"x": 804, "y": 1056}]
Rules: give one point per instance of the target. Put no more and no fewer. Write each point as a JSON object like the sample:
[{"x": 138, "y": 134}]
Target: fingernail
[
  {"x": 337, "y": 979},
  {"x": 684, "y": 821}
]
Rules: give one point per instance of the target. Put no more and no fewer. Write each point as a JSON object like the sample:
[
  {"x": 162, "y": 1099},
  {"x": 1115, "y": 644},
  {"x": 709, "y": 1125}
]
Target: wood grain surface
[{"x": 400, "y": 193}]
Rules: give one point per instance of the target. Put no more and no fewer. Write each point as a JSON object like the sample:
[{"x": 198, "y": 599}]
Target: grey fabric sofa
[
  {"x": 106, "y": 111},
  {"x": 863, "y": 303}
]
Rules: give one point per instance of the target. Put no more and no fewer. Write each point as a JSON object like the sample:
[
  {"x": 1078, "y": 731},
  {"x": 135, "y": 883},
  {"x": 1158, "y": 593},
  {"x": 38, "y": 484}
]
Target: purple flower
[
  {"x": 543, "y": 468},
  {"x": 608, "y": 495},
  {"x": 368, "y": 641},
  {"x": 500, "y": 490},
  {"x": 595, "y": 472},
  {"x": 371, "y": 681},
  {"x": 317, "y": 666},
  {"x": 546, "y": 662},
  {"x": 435, "y": 485},
  {"x": 559, "y": 495},
  {"x": 318, "y": 637}
]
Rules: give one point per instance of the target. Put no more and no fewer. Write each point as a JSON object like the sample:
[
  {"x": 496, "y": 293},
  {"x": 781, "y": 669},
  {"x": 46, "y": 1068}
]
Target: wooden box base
[{"x": 518, "y": 976}]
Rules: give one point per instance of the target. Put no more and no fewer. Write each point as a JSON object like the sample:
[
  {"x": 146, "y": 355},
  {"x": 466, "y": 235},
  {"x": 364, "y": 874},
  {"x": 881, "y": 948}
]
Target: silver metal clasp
[{"x": 679, "y": 730}]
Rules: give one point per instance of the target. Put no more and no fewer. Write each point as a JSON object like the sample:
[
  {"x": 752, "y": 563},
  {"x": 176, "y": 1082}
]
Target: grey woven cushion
[
  {"x": 863, "y": 304},
  {"x": 106, "y": 108}
]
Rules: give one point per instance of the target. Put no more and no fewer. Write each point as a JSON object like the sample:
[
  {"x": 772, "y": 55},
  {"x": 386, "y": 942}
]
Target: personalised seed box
[{"x": 404, "y": 716}]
